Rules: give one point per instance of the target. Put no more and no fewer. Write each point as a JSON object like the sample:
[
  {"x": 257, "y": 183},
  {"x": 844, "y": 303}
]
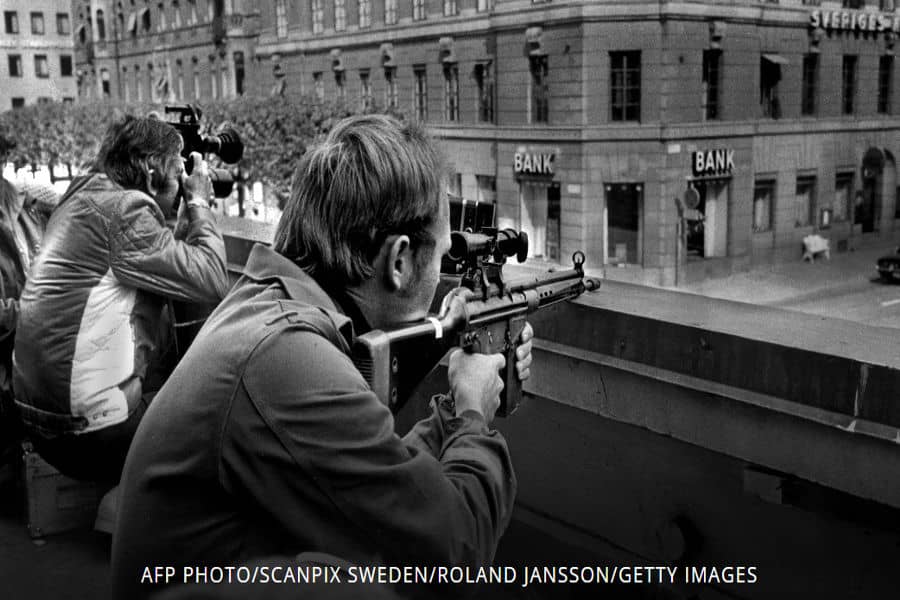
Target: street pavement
[{"x": 845, "y": 287}]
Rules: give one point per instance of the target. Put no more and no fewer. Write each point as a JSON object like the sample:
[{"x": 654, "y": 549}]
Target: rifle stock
[{"x": 394, "y": 361}]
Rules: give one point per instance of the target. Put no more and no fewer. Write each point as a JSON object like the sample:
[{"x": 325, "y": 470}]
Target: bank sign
[
  {"x": 713, "y": 162},
  {"x": 533, "y": 163},
  {"x": 854, "y": 20}
]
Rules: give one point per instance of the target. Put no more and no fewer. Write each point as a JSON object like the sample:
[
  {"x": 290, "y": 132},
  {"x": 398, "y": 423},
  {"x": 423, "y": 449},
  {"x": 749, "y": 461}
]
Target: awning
[{"x": 775, "y": 58}]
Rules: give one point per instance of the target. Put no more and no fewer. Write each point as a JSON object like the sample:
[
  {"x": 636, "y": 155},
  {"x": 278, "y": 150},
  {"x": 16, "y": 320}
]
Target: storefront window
[
  {"x": 843, "y": 190},
  {"x": 805, "y": 200},
  {"x": 763, "y": 203},
  {"x": 623, "y": 223},
  {"x": 539, "y": 217}
]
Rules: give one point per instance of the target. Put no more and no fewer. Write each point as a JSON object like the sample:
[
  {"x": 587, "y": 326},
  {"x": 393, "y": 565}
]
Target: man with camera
[
  {"x": 90, "y": 329},
  {"x": 283, "y": 448}
]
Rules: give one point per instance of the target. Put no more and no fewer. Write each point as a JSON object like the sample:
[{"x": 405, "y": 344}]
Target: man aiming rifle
[{"x": 266, "y": 440}]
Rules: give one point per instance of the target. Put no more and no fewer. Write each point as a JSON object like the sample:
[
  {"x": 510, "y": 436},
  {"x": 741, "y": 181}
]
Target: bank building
[{"x": 670, "y": 141}]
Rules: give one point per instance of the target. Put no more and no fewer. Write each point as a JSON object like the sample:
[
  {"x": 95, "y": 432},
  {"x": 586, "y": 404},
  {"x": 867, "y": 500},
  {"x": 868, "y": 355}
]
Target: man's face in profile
[{"x": 428, "y": 264}]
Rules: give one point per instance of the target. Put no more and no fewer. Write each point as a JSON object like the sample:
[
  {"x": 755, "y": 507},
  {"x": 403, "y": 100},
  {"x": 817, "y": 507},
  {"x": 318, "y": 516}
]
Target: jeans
[{"x": 95, "y": 456}]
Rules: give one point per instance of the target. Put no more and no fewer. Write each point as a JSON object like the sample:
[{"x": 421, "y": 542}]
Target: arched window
[
  {"x": 176, "y": 9},
  {"x": 195, "y": 73},
  {"x": 161, "y": 9},
  {"x": 101, "y": 26}
]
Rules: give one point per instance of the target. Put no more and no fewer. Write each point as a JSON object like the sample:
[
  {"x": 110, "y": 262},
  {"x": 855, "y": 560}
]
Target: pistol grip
[{"x": 512, "y": 385}]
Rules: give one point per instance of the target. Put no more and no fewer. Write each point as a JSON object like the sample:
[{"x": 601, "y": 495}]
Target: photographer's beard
[{"x": 165, "y": 187}]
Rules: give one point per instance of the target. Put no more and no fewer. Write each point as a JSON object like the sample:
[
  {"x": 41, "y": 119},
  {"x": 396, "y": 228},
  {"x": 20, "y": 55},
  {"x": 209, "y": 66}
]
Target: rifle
[{"x": 484, "y": 313}]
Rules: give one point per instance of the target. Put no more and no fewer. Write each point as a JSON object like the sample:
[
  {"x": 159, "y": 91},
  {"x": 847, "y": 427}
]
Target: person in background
[
  {"x": 90, "y": 315},
  {"x": 24, "y": 210}
]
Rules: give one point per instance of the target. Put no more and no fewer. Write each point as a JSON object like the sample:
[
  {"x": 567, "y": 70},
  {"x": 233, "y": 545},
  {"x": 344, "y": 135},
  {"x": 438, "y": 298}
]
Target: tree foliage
[{"x": 275, "y": 131}]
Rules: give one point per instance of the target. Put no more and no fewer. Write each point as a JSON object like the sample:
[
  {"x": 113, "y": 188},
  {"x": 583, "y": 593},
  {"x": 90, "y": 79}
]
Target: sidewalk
[{"x": 794, "y": 281}]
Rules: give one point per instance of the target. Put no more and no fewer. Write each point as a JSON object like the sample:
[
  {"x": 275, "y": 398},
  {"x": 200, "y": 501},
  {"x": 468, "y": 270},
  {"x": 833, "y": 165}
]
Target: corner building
[
  {"x": 667, "y": 140},
  {"x": 163, "y": 50}
]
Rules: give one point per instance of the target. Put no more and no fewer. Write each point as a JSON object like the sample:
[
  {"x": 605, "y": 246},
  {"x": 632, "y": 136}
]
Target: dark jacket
[
  {"x": 90, "y": 313},
  {"x": 266, "y": 441}
]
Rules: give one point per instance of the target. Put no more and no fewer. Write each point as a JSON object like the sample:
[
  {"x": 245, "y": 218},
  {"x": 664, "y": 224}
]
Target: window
[
  {"x": 104, "y": 83},
  {"x": 712, "y": 60},
  {"x": 176, "y": 9},
  {"x": 18, "y": 102},
  {"x": 843, "y": 193},
  {"x": 62, "y": 24},
  {"x": 885, "y": 83},
  {"x": 318, "y": 16},
  {"x": 126, "y": 90},
  {"x": 805, "y": 201},
  {"x": 625, "y": 86},
  {"x": 451, "y": 92},
  {"x": 195, "y": 64},
  {"x": 483, "y": 5},
  {"x": 339, "y": 91},
  {"x": 810, "y": 82},
  {"x": 390, "y": 12},
  {"x": 484, "y": 80},
  {"x": 365, "y": 90},
  {"x": 624, "y": 208},
  {"x": 37, "y": 23},
  {"x": 340, "y": 15},
  {"x": 450, "y": 8},
  {"x": 539, "y": 95},
  {"x": 280, "y": 19},
  {"x": 68, "y": 100},
  {"x": 487, "y": 189},
  {"x": 65, "y": 65},
  {"x": 319, "y": 86},
  {"x": 848, "y": 84},
  {"x": 11, "y": 19},
  {"x": 40, "y": 66},
  {"x": 149, "y": 82},
  {"x": 161, "y": 24},
  {"x": 193, "y": 5},
  {"x": 15, "y": 65},
  {"x": 763, "y": 203},
  {"x": 101, "y": 26},
  {"x": 769, "y": 77},
  {"x": 418, "y": 10},
  {"x": 179, "y": 79},
  {"x": 239, "y": 73},
  {"x": 420, "y": 97},
  {"x": 213, "y": 78},
  {"x": 138, "y": 90},
  {"x": 365, "y": 13},
  {"x": 853, "y": 3},
  {"x": 390, "y": 87},
  {"x": 145, "y": 20}
]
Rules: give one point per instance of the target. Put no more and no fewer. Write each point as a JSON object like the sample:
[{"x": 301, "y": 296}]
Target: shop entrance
[
  {"x": 624, "y": 207},
  {"x": 706, "y": 226},
  {"x": 539, "y": 217},
  {"x": 867, "y": 204}
]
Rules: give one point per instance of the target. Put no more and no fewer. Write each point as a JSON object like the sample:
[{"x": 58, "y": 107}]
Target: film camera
[{"x": 227, "y": 144}]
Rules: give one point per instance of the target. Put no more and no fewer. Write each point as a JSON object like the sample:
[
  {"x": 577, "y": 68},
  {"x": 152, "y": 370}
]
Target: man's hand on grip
[{"x": 475, "y": 382}]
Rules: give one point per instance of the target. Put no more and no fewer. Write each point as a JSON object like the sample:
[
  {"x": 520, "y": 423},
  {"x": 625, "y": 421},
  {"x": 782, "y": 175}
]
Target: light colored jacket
[{"x": 90, "y": 313}]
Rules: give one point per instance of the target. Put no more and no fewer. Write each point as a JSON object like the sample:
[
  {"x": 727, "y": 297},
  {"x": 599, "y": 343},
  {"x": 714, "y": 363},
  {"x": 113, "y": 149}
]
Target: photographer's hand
[{"x": 197, "y": 187}]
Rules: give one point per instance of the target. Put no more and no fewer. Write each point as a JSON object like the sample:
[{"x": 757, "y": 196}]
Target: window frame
[
  {"x": 629, "y": 111},
  {"x": 420, "y": 92},
  {"x": 63, "y": 24},
  {"x": 885, "y": 84},
  {"x": 15, "y": 60},
  {"x": 849, "y": 78},
  {"x": 712, "y": 84},
  {"x": 62, "y": 65},
  {"x": 11, "y": 22},
  {"x": 538, "y": 89},
  {"x": 769, "y": 183},
  {"x": 41, "y": 59},
  {"x": 451, "y": 92},
  {"x": 809, "y": 217},
  {"x": 485, "y": 85},
  {"x": 37, "y": 18},
  {"x": 809, "y": 84}
]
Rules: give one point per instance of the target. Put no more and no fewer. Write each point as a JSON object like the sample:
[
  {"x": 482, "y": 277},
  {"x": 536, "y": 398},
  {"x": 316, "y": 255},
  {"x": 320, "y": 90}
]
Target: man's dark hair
[
  {"x": 134, "y": 143},
  {"x": 373, "y": 176}
]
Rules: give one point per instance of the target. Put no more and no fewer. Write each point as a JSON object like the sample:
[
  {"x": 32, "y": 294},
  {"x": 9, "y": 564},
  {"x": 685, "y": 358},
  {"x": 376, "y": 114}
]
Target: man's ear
[{"x": 399, "y": 263}]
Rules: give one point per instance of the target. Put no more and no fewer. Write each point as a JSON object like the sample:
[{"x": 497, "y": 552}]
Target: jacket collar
[{"x": 264, "y": 264}]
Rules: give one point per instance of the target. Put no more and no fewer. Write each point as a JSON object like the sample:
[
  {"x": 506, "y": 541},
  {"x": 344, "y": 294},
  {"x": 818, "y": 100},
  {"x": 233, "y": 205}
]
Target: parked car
[{"x": 889, "y": 266}]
